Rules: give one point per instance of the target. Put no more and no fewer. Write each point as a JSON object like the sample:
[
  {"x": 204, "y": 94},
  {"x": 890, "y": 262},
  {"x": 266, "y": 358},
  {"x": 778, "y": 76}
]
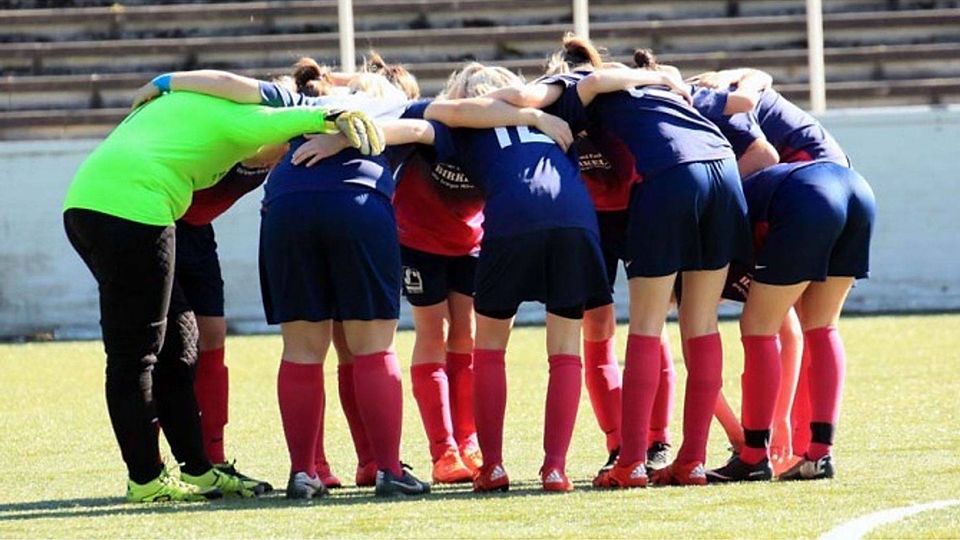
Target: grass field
[{"x": 898, "y": 444}]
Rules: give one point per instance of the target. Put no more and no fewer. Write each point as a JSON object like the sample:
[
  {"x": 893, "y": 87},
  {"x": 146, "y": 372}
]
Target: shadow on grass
[{"x": 116, "y": 506}]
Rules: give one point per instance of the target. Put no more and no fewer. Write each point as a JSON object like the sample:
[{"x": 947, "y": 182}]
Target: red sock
[
  {"x": 211, "y": 386},
  {"x": 704, "y": 361},
  {"x": 376, "y": 380},
  {"x": 300, "y": 393},
  {"x": 602, "y": 378},
  {"x": 663, "y": 402},
  {"x": 348, "y": 402},
  {"x": 431, "y": 390},
  {"x": 319, "y": 451},
  {"x": 827, "y": 367},
  {"x": 760, "y": 383},
  {"x": 800, "y": 411},
  {"x": 563, "y": 400},
  {"x": 490, "y": 402},
  {"x": 460, "y": 377},
  {"x": 640, "y": 380}
]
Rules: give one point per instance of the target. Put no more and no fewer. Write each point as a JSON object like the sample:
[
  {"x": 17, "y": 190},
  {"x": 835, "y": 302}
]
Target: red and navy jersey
[
  {"x": 740, "y": 130},
  {"x": 345, "y": 170},
  {"x": 529, "y": 183},
  {"x": 796, "y": 134},
  {"x": 652, "y": 129},
  {"x": 439, "y": 210},
  {"x": 210, "y": 203}
]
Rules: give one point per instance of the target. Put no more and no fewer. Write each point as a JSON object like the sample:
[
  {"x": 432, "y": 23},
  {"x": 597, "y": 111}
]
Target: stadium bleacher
[{"x": 68, "y": 68}]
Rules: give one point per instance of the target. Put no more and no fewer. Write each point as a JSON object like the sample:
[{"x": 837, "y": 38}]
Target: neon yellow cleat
[
  {"x": 228, "y": 484},
  {"x": 166, "y": 488}
]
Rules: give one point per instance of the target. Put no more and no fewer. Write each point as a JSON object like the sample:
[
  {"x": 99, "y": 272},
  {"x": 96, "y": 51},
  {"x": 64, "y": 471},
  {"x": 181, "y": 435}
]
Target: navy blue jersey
[
  {"x": 654, "y": 129},
  {"x": 345, "y": 170},
  {"x": 796, "y": 134},
  {"x": 528, "y": 181},
  {"x": 740, "y": 131}
]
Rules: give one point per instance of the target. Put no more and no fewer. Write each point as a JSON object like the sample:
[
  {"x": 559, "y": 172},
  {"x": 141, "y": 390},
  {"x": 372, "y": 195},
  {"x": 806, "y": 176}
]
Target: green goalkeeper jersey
[{"x": 147, "y": 169}]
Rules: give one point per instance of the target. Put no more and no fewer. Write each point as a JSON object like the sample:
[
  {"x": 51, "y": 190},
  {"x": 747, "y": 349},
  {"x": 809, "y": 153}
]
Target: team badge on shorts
[{"x": 412, "y": 281}]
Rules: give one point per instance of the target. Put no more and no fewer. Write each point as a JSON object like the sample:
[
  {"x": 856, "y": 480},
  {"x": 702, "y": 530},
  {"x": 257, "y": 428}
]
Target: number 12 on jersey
[{"x": 523, "y": 134}]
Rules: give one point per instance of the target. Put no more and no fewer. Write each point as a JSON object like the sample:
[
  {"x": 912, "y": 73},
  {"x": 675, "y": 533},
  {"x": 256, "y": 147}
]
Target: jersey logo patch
[{"x": 412, "y": 281}]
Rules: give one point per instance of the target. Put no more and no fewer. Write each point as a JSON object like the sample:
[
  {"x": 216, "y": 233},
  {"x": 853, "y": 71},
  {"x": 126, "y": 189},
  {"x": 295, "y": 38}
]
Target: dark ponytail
[
  {"x": 578, "y": 51},
  {"x": 310, "y": 77},
  {"x": 644, "y": 58}
]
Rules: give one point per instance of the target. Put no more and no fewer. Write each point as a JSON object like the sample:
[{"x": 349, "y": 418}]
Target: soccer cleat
[
  {"x": 166, "y": 488},
  {"x": 366, "y": 474},
  {"x": 555, "y": 480},
  {"x": 303, "y": 486},
  {"x": 329, "y": 480},
  {"x": 600, "y": 480},
  {"x": 658, "y": 456},
  {"x": 808, "y": 469},
  {"x": 633, "y": 475},
  {"x": 391, "y": 485},
  {"x": 472, "y": 458},
  {"x": 736, "y": 470},
  {"x": 228, "y": 484},
  {"x": 258, "y": 486},
  {"x": 681, "y": 474},
  {"x": 491, "y": 478},
  {"x": 449, "y": 469}
]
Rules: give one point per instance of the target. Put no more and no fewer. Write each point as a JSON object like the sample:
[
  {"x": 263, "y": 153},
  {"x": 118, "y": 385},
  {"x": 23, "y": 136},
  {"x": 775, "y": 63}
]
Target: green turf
[{"x": 62, "y": 477}]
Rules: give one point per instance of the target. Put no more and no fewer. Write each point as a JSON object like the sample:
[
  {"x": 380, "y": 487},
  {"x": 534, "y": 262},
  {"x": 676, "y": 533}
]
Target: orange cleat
[
  {"x": 327, "y": 478},
  {"x": 491, "y": 478},
  {"x": 681, "y": 474},
  {"x": 555, "y": 480},
  {"x": 367, "y": 474},
  {"x": 472, "y": 458},
  {"x": 633, "y": 475},
  {"x": 449, "y": 469}
]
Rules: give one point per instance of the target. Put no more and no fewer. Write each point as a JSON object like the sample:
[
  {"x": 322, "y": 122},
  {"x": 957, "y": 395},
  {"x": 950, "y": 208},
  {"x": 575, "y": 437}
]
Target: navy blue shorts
[
  {"x": 613, "y": 241},
  {"x": 820, "y": 224},
  {"x": 429, "y": 278},
  {"x": 329, "y": 255},
  {"x": 561, "y": 268},
  {"x": 690, "y": 217},
  {"x": 197, "y": 273}
]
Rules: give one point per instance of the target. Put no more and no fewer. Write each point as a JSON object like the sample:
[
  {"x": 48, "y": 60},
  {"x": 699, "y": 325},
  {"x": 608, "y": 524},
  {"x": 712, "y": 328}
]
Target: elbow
[{"x": 759, "y": 155}]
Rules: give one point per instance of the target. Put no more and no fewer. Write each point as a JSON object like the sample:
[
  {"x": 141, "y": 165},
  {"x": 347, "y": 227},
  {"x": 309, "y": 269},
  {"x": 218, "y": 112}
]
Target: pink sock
[
  {"x": 300, "y": 393},
  {"x": 348, "y": 402},
  {"x": 460, "y": 376},
  {"x": 704, "y": 361},
  {"x": 432, "y": 393},
  {"x": 760, "y": 383},
  {"x": 800, "y": 411},
  {"x": 602, "y": 378},
  {"x": 212, "y": 388},
  {"x": 490, "y": 402},
  {"x": 640, "y": 380},
  {"x": 663, "y": 402},
  {"x": 827, "y": 367},
  {"x": 376, "y": 380},
  {"x": 319, "y": 451},
  {"x": 563, "y": 399}
]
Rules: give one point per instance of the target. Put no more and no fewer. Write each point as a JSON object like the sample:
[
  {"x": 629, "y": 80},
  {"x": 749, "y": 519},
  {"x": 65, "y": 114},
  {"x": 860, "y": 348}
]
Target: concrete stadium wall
[{"x": 906, "y": 154}]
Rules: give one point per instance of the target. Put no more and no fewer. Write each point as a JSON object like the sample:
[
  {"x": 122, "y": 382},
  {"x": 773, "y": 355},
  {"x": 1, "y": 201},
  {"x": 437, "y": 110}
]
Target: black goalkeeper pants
[{"x": 151, "y": 343}]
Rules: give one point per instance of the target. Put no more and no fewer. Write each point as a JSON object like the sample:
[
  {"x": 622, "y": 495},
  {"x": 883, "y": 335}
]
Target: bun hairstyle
[
  {"x": 577, "y": 51},
  {"x": 644, "y": 58},
  {"x": 311, "y": 78},
  {"x": 395, "y": 73}
]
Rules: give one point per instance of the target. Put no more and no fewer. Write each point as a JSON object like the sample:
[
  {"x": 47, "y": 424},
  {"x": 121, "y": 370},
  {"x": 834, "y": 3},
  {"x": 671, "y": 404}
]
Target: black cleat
[
  {"x": 658, "y": 456},
  {"x": 738, "y": 471},
  {"x": 302, "y": 486},
  {"x": 808, "y": 469},
  {"x": 390, "y": 485}
]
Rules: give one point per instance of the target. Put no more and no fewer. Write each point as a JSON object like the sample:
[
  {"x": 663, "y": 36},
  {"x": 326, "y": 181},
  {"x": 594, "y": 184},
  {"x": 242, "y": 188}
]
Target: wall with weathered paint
[{"x": 906, "y": 154}]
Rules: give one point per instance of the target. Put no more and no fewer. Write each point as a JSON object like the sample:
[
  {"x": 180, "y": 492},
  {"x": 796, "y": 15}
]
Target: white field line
[{"x": 857, "y": 528}]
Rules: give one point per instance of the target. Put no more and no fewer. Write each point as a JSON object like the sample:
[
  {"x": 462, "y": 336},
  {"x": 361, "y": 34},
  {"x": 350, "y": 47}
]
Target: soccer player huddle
[{"x": 494, "y": 193}]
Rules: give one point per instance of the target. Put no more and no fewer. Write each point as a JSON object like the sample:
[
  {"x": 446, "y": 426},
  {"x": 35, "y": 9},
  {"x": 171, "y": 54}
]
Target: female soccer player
[
  {"x": 349, "y": 271},
  {"x": 815, "y": 221},
  {"x": 688, "y": 215},
  {"x": 119, "y": 215}
]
